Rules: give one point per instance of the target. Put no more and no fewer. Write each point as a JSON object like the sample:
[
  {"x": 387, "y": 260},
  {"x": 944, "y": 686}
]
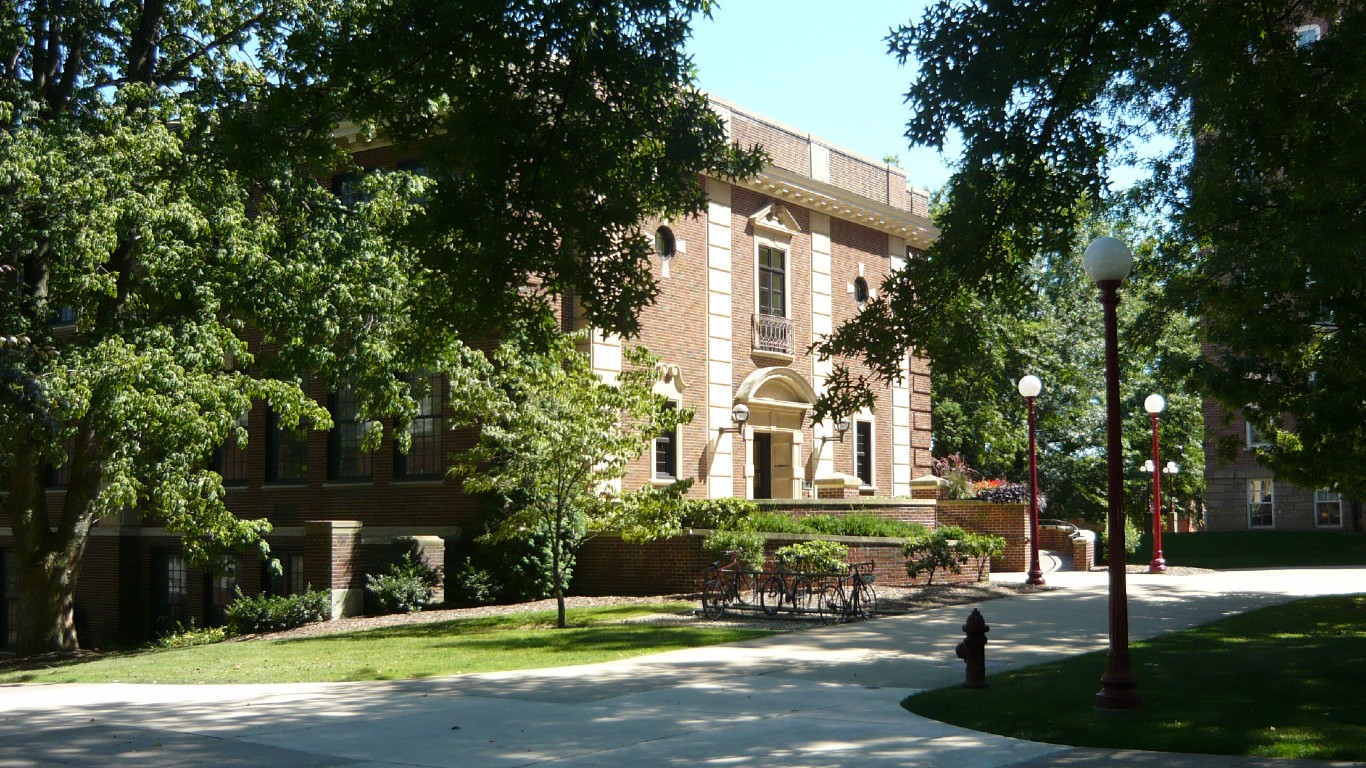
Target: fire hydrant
[{"x": 973, "y": 650}]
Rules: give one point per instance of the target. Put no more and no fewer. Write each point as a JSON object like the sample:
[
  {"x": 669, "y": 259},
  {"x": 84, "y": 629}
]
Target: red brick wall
[
  {"x": 606, "y": 565},
  {"x": 1010, "y": 521}
]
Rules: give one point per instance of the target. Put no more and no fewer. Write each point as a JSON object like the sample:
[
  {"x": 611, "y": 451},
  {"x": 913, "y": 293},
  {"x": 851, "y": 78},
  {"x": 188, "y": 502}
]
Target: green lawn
[
  {"x": 513, "y": 641},
  {"x": 1255, "y": 549},
  {"x": 1284, "y": 681}
]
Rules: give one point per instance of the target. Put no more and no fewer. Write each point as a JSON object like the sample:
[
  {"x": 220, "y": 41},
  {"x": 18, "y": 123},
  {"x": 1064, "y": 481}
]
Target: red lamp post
[
  {"x": 1029, "y": 387},
  {"x": 1154, "y": 405},
  {"x": 1107, "y": 262}
]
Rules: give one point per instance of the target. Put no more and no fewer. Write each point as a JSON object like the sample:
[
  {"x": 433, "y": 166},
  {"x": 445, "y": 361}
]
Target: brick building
[
  {"x": 1244, "y": 495},
  {"x": 772, "y": 265}
]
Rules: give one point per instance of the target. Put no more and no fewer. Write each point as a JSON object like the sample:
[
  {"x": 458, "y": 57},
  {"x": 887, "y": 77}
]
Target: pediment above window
[{"x": 775, "y": 218}]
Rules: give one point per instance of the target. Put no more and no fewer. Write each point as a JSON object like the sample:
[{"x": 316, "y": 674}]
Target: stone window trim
[
  {"x": 667, "y": 454},
  {"x": 864, "y": 453}
]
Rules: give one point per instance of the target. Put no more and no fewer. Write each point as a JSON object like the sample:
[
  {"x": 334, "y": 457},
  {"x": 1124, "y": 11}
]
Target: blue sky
[{"x": 820, "y": 66}]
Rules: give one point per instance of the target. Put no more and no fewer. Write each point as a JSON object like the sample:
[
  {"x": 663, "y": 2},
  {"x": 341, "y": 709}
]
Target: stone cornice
[{"x": 801, "y": 190}]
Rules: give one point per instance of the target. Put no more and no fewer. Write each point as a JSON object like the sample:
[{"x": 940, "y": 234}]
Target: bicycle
[
  {"x": 789, "y": 587},
  {"x": 851, "y": 597},
  {"x": 727, "y": 584}
]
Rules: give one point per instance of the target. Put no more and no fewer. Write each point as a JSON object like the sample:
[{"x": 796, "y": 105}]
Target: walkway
[{"x": 824, "y": 697}]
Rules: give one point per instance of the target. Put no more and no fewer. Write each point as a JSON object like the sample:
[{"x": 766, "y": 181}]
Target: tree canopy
[
  {"x": 170, "y": 256},
  {"x": 1254, "y": 190}
]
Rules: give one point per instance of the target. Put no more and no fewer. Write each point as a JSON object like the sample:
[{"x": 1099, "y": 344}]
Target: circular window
[
  {"x": 665, "y": 245},
  {"x": 860, "y": 291}
]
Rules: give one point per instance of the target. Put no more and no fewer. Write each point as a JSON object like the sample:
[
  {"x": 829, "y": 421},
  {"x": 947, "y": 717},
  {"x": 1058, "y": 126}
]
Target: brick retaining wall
[
  {"x": 1010, "y": 521},
  {"x": 607, "y": 565}
]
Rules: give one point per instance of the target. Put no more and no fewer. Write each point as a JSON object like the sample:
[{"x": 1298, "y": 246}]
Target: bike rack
[{"x": 834, "y": 597}]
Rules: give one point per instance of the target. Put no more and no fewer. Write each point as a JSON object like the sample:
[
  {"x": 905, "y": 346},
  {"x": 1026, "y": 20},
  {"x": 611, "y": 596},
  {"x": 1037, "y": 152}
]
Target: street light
[
  {"x": 1154, "y": 404},
  {"x": 1172, "y": 469},
  {"x": 1030, "y": 387},
  {"x": 1107, "y": 262}
]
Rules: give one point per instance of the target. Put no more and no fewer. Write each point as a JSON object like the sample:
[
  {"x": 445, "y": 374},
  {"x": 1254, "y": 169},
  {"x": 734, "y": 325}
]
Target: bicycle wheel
[
  {"x": 771, "y": 598},
  {"x": 713, "y": 600},
  {"x": 867, "y": 601},
  {"x": 830, "y": 605},
  {"x": 746, "y": 589}
]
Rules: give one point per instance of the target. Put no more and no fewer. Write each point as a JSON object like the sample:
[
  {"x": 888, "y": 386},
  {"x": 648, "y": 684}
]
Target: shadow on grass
[{"x": 1278, "y": 682}]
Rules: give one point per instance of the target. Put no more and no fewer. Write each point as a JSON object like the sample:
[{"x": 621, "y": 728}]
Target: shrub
[
  {"x": 404, "y": 587},
  {"x": 471, "y": 585},
  {"x": 182, "y": 637},
  {"x": 749, "y": 545},
  {"x": 775, "y": 522},
  {"x": 861, "y": 525},
  {"x": 956, "y": 474},
  {"x": 1131, "y": 536},
  {"x": 947, "y": 548},
  {"x": 514, "y": 570},
  {"x": 818, "y": 556},
  {"x": 274, "y": 613},
  {"x": 983, "y": 546},
  {"x": 1004, "y": 493},
  {"x": 718, "y": 514},
  {"x": 931, "y": 552}
]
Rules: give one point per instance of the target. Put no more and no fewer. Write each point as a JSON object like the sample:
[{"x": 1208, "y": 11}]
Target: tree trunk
[
  {"x": 555, "y": 561},
  {"x": 47, "y": 555},
  {"x": 47, "y": 603}
]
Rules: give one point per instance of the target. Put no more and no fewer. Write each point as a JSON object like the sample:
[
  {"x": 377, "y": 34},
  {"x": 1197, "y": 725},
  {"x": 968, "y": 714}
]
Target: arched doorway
[{"x": 778, "y": 399}]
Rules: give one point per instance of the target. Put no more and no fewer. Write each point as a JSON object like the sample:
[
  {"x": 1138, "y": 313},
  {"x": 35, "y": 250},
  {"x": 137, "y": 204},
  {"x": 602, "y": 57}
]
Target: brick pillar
[{"x": 330, "y": 563}]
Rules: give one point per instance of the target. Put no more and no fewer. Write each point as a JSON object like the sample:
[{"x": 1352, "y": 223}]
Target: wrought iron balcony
[{"x": 773, "y": 334}]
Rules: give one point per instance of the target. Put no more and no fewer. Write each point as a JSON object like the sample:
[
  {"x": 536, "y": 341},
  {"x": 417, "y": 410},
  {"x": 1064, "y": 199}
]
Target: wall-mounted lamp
[
  {"x": 841, "y": 426},
  {"x": 738, "y": 416}
]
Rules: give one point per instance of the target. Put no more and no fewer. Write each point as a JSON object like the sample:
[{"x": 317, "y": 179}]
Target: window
[
  {"x": 416, "y": 167},
  {"x": 1327, "y": 508},
  {"x": 65, "y": 316},
  {"x": 772, "y": 281},
  {"x": 1261, "y": 503},
  {"x": 1307, "y": 35},
  {"x": 230, "y": 460},
  {"x": 863, "y": 452},
  {"x": 860, "y": 291},
  {"x": 286, "y": 452},
  {"x": 665, "y": 244},
  {"x": 346, "y": 459},
  {"x": 346, "y": 186},
  {"x": 170, "y": 592},
  {"x": 423, "y": 459},
  {"x": 9, "y": 600},
  {"x": 1255, "y": 439},
  {"x": 666, "y": 451},
  {"x": 290, "y": 579},
  {"x": 221, "y": 589}
]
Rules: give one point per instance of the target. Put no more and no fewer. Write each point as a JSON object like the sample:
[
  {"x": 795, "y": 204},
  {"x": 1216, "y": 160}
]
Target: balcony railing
[{"x": 772, "y": 334}]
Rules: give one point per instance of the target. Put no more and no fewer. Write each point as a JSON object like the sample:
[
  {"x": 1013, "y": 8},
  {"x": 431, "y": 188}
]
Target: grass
[
  {"x": 1255, "y": 549},
  {"x": 487, "y": 644},
  {"x": 1284, "y": 681}
]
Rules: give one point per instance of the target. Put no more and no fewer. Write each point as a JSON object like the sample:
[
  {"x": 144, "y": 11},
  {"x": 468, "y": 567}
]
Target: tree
[
  {"x": 1261, "y": 191},
  {"x": 555, "y": 128},
  {"x": 558, "y": 442},
  {"x": 157, "y": 162},
  {"x": 1055, "y": 334}
]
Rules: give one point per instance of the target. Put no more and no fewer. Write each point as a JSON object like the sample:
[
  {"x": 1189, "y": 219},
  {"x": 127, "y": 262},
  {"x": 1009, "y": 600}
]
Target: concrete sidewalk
[{"x": 825, "y": 697}]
